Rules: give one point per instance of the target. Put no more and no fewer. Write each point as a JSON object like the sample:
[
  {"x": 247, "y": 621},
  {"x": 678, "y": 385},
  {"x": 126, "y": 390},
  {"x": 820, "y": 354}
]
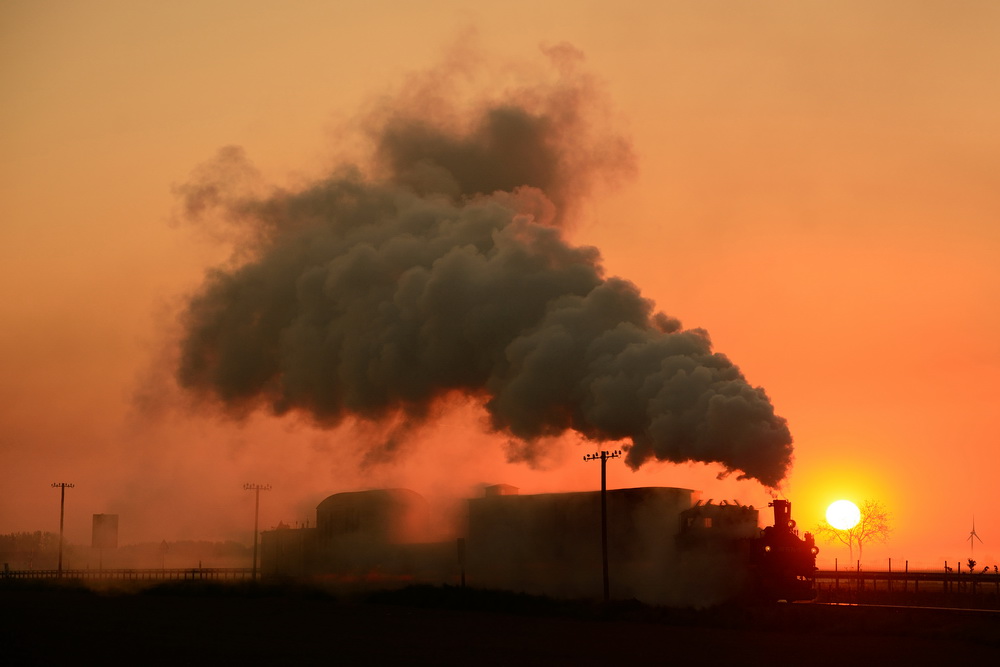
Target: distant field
[{"x": 189, "y": 623}]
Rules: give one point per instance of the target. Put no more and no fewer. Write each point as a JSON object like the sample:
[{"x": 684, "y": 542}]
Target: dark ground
[{"x": 194, "y": 625}]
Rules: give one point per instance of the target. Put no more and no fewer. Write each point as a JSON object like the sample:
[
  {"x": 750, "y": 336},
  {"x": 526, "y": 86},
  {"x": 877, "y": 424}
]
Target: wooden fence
[{"x": 946, "y": 588}]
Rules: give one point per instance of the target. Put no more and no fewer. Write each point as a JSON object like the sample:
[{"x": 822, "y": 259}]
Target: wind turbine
[{"x": 973, "y": 536}]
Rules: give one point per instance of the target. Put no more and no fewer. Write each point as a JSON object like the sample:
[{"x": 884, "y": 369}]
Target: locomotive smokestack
[
  {"x": 782, "y": 514},
  {"x": 447, "y": 270}
]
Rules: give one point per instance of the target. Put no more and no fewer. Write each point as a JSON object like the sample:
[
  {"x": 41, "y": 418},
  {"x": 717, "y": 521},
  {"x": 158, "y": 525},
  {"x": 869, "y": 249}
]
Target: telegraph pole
[
  {"x": 256, "y": 488},
  {"x": 603, "y": 457},
  {"x": 62, "y": 486}
]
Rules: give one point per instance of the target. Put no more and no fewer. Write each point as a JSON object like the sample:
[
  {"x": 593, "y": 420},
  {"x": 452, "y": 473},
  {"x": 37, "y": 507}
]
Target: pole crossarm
[
  {"x": 256, "y": 487},
  {"x": 602, "y": 455}
]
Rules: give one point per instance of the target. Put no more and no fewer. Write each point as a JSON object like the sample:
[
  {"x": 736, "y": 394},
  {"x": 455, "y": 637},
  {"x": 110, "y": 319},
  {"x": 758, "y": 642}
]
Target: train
[{"x": 664, "y": 546}]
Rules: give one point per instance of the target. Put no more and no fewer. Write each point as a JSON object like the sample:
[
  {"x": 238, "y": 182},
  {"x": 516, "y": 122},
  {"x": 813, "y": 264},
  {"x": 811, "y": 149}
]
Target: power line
[
  {"x": 256, "y": 488},
  {"x": 62, "y": 486},
  {"x": 603, "y": 457}
]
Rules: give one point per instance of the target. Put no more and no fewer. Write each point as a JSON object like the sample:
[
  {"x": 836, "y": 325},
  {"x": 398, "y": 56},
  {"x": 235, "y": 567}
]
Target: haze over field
[{"x": 811, "y": 185}]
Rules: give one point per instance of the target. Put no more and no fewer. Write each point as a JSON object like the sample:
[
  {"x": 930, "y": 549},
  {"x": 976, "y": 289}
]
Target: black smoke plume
[{"x": 444, "y": 268}]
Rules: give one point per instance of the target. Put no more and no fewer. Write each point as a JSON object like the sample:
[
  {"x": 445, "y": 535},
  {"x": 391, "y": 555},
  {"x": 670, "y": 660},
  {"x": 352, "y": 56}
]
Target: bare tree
[{"x": 874, "y": 526}]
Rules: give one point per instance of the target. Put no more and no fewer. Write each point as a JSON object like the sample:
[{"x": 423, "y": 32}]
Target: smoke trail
[{"x": 447, "y": 271}]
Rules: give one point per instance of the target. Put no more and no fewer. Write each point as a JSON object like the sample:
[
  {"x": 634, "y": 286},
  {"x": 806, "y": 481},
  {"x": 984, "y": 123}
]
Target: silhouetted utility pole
[
  {"x": 257, "y": 488},
  {"x": 603, "y": 456},
  {"x": 62, "y": 486}
]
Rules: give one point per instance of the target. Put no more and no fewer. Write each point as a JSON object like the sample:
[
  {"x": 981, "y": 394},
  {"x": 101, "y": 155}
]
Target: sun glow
[{"x": 843, "y": 514}]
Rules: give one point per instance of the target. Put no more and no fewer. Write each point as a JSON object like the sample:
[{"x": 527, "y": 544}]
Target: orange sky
[{"x": 816, "y": 187}]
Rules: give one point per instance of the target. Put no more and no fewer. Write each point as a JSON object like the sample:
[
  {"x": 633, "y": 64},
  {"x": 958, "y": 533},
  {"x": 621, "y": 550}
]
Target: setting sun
[{"x": 843, "y": 514}]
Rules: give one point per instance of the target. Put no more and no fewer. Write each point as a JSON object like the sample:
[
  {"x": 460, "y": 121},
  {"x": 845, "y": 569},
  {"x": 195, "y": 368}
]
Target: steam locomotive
[{"x": 664, "y": 545}]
